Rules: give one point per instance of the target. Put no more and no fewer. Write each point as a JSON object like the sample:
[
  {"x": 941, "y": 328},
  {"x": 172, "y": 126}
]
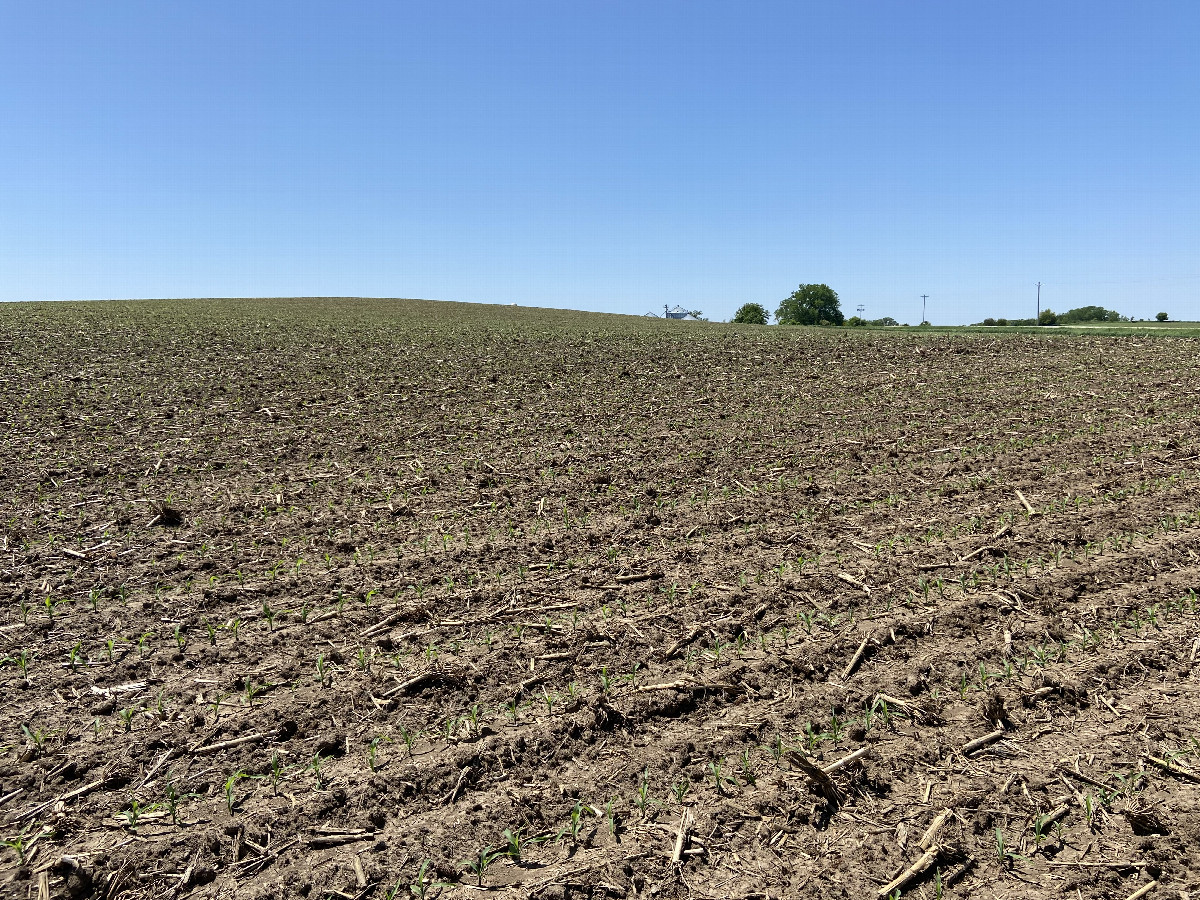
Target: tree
[
  {"x": 811, "y": 304},
  {"x": 697, "y": 314},
  {"x": 1162, "y": 317},
  {"x": 751, "y": 314},
  {"x": 1088, "y": 314},
  {"x": 1047, "y": 317}
]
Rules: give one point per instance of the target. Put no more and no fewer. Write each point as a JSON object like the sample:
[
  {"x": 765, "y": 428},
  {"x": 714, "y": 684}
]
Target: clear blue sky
[{"x": 611, "y": 156}]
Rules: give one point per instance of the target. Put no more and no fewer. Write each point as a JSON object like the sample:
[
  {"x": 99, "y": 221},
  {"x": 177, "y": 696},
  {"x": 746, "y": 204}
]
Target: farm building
[{"x": 678, "y": 313}]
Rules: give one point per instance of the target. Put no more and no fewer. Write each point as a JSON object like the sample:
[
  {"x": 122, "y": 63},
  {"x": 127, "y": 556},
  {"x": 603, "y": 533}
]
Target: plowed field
[{"x": 366, "y": 599}]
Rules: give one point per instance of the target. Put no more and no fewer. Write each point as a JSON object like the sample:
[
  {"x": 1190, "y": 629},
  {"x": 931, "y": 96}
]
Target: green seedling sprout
[
  {"x": 314, "y": 766},
  {"x": 1004, "y": 854},
  {"x": 512, "y": 844},
  {"x": 134, "y": 812},
  {"x": 253, "y": 690},
  {"x": 230, "y": 787},
  {"x": 275, "y": 773},
  {"x": 611, "y": 818},
  {"x": 409, "y": 738},
  {"x": 718, "y": 777},
  {"x": 21, "y": 661},
  {"x": 423, "y": 883},
  {"x": 373, "y": 750},
  {"x": 747, "y": 771},
  {"x": 642, "y": 798},
  {"x": 172, "y": 801},
  {"x": 18, "y": 844},
  {"x": 35, "y": 736},
  {"x": 575, "y": 825},
  {"x": 479, "y": 864}
]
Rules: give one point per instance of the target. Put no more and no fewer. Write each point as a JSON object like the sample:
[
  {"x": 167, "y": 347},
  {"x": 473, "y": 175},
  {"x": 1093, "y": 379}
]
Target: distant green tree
[
  {"x": 811, "y": 304},
  {"x": 1162, "y": 317},
  {"x": 1047, "y": 317},
  {"x": 988, "y": 321},
  {"x": 697, "y": 314},
  {"x": 856, "y": 322},
  {"x": 885, "y": 322},
  {"x": 1089, "y": 314},
  {"x": 751, "y": 314}
]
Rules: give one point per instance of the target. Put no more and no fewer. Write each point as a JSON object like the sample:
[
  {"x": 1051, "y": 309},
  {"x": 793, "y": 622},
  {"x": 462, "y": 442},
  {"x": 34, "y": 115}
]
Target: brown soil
[{"x": 364, "y": 584}]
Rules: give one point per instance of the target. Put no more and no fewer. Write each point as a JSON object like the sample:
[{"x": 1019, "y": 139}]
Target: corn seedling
[
  {"x": 409, "y": 738},
  {"x": 253, "y": 690},
  {"x": 420, "y": 886},
  {"x": 21, "y": 661},
  {"x": 776, "y": 748},
  {"x": 479, "y": 864},
  {"x": 512, "y": 844},
  {"x": 373, "y": 750},
  {"x": 574, "y": 825},
  {"x": 171, "y": 802},
  {"x": 230, "y": 787},
  {"x": 134, "y": 812},
  {"x": 1004, "y": 853},
  {"x": 611, "y": 818},
  {"x": 642, "y": 798},
  {"x": 747, "y": 771},
  {"x": 35, "y": 736},
  {"x": 718, "y": 777},
  {"x": 18, "y": 845},
  {"x": 680, "y": 789}
]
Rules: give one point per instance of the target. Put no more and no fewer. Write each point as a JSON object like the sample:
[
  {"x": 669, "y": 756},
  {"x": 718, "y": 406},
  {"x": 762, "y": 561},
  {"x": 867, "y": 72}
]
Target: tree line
[{"x": 818, "y": 304}]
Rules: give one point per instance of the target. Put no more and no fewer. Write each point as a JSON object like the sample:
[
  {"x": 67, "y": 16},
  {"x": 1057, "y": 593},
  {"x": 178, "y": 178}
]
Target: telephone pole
[
  {"x": 1038, "y": 320},
  {"x": 924, "y": 297}
]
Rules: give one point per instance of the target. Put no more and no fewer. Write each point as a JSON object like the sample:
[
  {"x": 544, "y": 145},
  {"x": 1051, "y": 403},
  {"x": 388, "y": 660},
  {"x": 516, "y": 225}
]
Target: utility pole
[
  {"x": 1038, "y": 320},
  {"x": 924, "y": 297}
]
